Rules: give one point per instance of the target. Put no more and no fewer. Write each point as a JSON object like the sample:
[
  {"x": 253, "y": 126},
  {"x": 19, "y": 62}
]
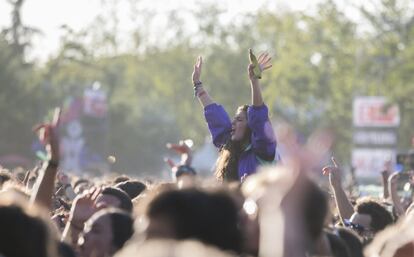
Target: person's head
[
  {"x": 184, "y": 170},
  {"x": 172, "y": 248},
  {"x": 132, "y": 187},
  {"x": 121, "y": 178},
  {"x": 249, "y": 223},
  {"x": 239, "y": 127},
  {"x": 369, "y": 217},
  {"x": 338, "y": 246},
  {"x": 191, "y": 213},
  {"x": 315, "y": 210},
  {"x": 65, "y": 250},
  {"x": 396, "y": 240},
  {"x": 352, "y": 240},
  {"x": 114, "y": 197},
  {"x": 4, "y": 176},
  {"x": 19, "y": 174},
  {"x": 227, "y": 162},
  {"x": 24, "y": 231},
  {"x": 81, "y": 185},
  {"x": 105, "y": 233}
]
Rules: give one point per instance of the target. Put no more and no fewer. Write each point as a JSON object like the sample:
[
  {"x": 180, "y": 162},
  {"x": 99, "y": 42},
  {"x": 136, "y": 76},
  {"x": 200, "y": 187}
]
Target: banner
[{"x": 372, "y": 111}]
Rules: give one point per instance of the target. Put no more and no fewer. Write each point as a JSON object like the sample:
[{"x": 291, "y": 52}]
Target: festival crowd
[{"x": 255, "y": 204}]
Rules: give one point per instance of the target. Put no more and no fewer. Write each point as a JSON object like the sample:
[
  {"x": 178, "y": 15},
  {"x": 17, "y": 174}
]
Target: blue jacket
[{"x": 262, "y": 148}]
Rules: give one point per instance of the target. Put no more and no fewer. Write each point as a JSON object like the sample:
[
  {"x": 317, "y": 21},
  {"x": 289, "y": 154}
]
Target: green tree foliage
[
  {"x": 320, "y": 62},
  {"x": 388, "y": 63}
]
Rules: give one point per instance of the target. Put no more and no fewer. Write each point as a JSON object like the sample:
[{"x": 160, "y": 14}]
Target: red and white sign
[{"x": 371, "y": 111}]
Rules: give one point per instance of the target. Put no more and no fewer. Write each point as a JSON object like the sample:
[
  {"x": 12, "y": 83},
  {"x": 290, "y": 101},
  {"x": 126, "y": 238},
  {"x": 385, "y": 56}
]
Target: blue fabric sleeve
[
  {"x": 219, "y": 123},
  {"x": 263, "y": 138}
]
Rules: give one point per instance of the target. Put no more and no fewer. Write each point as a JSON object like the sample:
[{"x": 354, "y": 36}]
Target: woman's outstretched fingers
[{"x": 261, "y": 57}]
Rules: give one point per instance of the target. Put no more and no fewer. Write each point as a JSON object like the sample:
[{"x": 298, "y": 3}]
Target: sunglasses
[{"x": 357, "y": 227}]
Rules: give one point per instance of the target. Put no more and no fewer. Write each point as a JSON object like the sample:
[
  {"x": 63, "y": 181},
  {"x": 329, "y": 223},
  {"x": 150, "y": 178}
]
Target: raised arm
[
  {"x": 83, "y": 207},
  {"x": 184, "y": 150},
  {"x": 257, "y": 66},
  {"x": 342, "y": 202},
  {"x": 217, "y": 118},
  {"x": 263, "y": 138},
  {"x": 396, "y": 201},
  {"x": 199, "y": 90},
  {"x": 43, "y": 189},
  {"x": 385, "y": 174}
]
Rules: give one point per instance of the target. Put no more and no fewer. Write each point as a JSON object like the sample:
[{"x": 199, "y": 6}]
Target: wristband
[
  {"x": 53, "y": 164},
  {"x": 197, "y": 85}
]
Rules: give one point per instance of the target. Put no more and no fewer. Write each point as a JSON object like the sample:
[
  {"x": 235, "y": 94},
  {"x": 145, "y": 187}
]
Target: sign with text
[
  {"x": 372, "y": 111},
  {"x": 375, "y": 138},
  {"x": 370, "y": 162}
]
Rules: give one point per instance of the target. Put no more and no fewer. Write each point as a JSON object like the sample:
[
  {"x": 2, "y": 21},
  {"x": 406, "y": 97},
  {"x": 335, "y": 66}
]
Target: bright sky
[{"x": 49, "y": 15}]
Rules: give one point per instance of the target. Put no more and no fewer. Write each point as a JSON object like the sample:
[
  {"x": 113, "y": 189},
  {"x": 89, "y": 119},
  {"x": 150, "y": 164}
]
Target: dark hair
[
  {"x": 121, "y": 178},
  {"x": 122, "y": 227},
  {"x": 380, "y": 217},
  {"x": 209, "y": 217},
  {"x": 4, "y": 176},
  {"x": 23, "y": 233},
  {"x": 315, "y": 209},
  {"x": 132, "y": 187},
  {"x": 184, "y": 170},
  {"x": 352, "y": 241},
  {"x": 65, "y": 250},
  {"x": 80, "y": 181},
  {"x": 228, "y": 160},
  {"x": 338, "y": 246},
  {"x": 125, "y": 201}
]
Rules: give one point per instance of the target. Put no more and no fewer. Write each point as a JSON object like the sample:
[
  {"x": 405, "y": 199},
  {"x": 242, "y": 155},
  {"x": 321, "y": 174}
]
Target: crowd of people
[{"x": 255, "y": 205}]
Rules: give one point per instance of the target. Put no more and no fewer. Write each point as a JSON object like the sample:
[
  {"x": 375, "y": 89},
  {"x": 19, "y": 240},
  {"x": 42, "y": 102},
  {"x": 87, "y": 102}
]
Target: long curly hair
[{"x": 229, "y": 155}]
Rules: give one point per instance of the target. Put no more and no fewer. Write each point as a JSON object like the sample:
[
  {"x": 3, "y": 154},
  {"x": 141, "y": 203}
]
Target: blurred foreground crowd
[{"x": 280, "y": 211}]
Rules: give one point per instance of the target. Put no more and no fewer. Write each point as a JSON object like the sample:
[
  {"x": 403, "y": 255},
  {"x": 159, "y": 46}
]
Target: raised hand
[
  {"x": 181, "y": 148},
  {"x": 184, "y": 149},
  {"x": 197, "y": 70},
  {"x": 334, "y": 173},
  {"x": 48, "y": 134},
  {"x": 265, "y": 61},
  {"x": 392, "y": 183},
  {"x": 170, "y": 162},
  {"x": 44, "y": 187},
  {"x": 393, "y": 179},
  {"x": 345, "y": 207},
  {"x": 84, "y": 207},
  {"x": 257, "y": 66}
]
